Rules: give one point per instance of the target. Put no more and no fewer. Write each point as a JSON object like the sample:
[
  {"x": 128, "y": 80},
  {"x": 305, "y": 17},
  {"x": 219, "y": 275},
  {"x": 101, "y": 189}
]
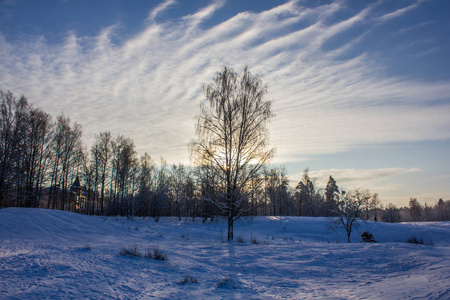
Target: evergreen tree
[
  {"x": 305, "y": 194},
  {"x": 415, "y": 209},
  {"x": 331, "y": 194}
]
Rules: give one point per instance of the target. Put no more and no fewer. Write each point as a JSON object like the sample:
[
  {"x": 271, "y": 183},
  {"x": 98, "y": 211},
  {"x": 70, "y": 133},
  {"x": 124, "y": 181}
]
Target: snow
[{"x": 48, "y": 254}]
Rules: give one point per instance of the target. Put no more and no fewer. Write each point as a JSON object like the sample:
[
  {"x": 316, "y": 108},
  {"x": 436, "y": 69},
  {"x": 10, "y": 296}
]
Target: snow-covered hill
[{"x": 49, "y": 254}]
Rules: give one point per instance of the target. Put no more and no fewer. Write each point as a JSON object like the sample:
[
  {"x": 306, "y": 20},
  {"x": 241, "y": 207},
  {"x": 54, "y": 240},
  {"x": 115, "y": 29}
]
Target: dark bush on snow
[
  {"x": 227, "y": 282},
  {"x": 131, "y": 252},
  {"x": 367, "y": 237},
  {"x": 240, "y": 239},
  {"x": 414, "y": 240},
  {"x": 188, "y": 279},
  {"x": 159, "y": 255}
]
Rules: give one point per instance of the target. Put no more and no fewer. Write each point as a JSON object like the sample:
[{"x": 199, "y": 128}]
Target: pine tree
[{"x": 331, "y": 194}]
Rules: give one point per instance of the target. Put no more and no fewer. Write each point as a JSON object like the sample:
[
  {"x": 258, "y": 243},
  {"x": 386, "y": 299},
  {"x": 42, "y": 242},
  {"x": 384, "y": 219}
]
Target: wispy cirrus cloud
[
  {"x": 165, "y": 5},
  {"x": 148, "y": 87},
  {"x": 400, "y": 12},
  {"x": 352, "y": 176}
]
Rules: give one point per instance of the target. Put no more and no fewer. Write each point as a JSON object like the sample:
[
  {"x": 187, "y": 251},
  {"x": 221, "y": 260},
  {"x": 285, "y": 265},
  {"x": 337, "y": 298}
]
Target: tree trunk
[{"x": 230, "y": 228}]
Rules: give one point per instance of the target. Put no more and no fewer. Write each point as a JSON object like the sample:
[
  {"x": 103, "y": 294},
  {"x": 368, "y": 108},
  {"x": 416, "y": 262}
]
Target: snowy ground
[{"x": 47, "y": 254}]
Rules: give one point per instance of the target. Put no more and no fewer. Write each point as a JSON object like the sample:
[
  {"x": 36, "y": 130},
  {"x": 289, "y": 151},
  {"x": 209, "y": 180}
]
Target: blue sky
[{"x": 360, "y": 89}]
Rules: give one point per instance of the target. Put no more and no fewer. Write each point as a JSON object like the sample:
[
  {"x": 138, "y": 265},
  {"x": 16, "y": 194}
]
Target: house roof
[{"x": 76, "y": 184}]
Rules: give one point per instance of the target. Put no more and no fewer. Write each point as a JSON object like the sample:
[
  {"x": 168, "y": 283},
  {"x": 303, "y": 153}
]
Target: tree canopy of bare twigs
[
  {"x": 348, "y": 210},
  {"x": 232, "y": 136}
]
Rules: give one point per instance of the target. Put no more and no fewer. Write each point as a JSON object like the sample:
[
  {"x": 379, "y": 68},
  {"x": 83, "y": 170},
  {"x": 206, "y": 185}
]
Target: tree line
[{"x": 43, "y": 160}]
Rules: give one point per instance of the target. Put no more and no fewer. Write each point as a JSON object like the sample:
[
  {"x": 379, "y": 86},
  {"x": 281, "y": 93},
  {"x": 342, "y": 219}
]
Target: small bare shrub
[
  {"x": 159, "y": 255},
  {"x": 188, "y": 279},
  {"x": 148, "y": 253},
  {"x": 414, "y": 240},
  {"x": 240, "y": 239},
  {"x": 155, "y": 254},
  {"x": 131, "y": 252},
  {"x": 256, "y": 242},
  {"x": 227, "y": 282}
]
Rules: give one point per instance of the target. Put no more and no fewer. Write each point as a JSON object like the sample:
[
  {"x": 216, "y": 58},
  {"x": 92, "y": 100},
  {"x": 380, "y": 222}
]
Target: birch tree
[{"x": 232, "y": 136}]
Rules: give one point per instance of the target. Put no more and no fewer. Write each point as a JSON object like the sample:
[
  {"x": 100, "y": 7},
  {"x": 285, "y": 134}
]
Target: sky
[{"x": 360, "y": 89}]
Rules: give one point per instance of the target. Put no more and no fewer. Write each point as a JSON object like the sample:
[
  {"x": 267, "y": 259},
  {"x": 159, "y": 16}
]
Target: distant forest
[{"x": 44, "y": 163}]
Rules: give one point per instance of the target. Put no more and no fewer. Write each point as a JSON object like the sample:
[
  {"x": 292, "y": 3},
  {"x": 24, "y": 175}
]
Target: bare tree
[
  {"x": 87, "y": 172},
  {"x": 101, "y": 157},
  {"x": 69, "y": 148},
  {"x": 41, "y": 134},
  {"x": 57, "y": 145},
  {"x": 95, "y": 161},
  {"x": 206, "y": 180},
  {"x": 20, "y": 152},
  {"x": 67, "y": 154},
  {"x": 375, "y": 205},
  {"x": 146, "y": 182},
  {"x": 105, "y": 147},
  {"x": 391, "y": 214},
  {"x": 161, "y": 194},
  {"x": 11, "y": 119},
  {"x": 25, "y": 133},
  {"x": 124, "y": 175},
  {"x": 190, "y": 197},
  {"x": 259, "y": 202},
  {"x": 177, "y": 183},
  {"x": 276, "y": 190},
  {"x": 133, "y": 201},
  {"x": 232, "y": 136},
  {"x": 126, "y": 159},
  {"x": 348, "y": 210}
]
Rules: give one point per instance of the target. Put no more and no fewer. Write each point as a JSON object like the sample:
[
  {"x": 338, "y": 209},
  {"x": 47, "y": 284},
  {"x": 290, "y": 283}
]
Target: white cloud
[
  {"x": 431, "y": 199},
  {"x": 400, "y": 12},
  {"x": 149, "y": 87},
  {"x": 357, "y": 176},
  {"x": 160, "y": 8}
]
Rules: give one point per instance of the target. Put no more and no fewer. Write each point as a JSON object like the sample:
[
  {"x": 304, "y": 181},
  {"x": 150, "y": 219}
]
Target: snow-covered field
[{"x": 49, "y": 254}]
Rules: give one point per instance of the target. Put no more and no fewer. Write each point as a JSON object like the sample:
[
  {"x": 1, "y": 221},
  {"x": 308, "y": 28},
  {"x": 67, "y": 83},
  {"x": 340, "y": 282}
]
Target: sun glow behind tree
[{"x": 232, "y": 136}]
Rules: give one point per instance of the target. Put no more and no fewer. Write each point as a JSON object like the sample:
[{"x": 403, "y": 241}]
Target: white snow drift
[{"x": 49, "y": 254}]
